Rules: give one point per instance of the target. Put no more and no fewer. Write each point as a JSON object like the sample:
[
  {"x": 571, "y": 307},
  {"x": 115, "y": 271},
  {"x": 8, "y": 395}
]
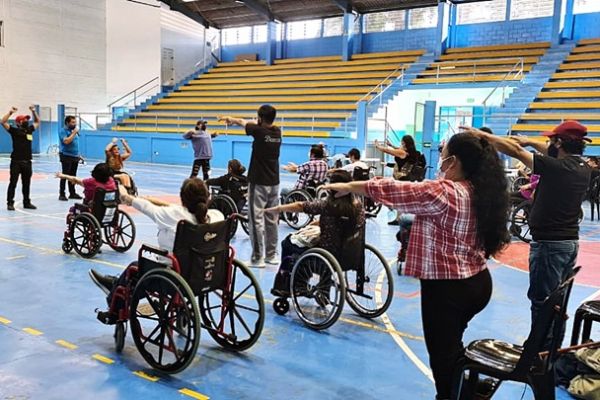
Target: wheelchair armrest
[{"x": 154, "y": 250}]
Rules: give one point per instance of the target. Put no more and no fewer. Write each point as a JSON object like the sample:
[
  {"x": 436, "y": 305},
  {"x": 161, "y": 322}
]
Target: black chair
[
  {"x": 593, "y": 196},
  {"x": 587, "y": 313},
  {"x": 509, "y": 362}
]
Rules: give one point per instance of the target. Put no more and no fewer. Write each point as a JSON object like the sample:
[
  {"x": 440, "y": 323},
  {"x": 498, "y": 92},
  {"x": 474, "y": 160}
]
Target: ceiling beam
[
  {"x": 176, "y": 5},
  {"x": 344, "y": 5},
  {"x": 259, "y": 8}
]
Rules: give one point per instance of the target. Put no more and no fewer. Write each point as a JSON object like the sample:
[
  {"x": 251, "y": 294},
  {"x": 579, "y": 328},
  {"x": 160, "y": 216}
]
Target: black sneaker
[
  {"x": 62, "y": 197},
  {"x": 10, "y": 207},
  {"x": 104, "y": 282},
  {"x": 29, "y": 206},
  {"x": 75, "y": 196}
]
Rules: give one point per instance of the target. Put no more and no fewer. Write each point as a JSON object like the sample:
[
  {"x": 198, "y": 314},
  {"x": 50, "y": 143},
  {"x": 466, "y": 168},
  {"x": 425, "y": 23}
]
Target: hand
[
  {"x": 32, "y": 108},
  {"x": 470, "y": 130},
  {"x": 225, "y": 119},
  {"x": 115, "y": 140},
  {"x": 123, "y": 141},
  {"x": 58, "y": 175},
  {"x": 523, "y": 141},
  {"x": 376, "y": 143},
  {"x": 13, "y": 110},
  {"x": 125, "y": 197},
  {"x": 76, "y": 131},
  {"x": 272, "y": 210}
]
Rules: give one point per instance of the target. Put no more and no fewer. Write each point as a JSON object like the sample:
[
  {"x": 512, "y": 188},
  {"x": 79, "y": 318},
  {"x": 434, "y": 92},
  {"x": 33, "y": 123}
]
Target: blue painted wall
[
  {"x": 45, "y": 136},
  {"x": 587, "y": 26},
  {"x": 491, "y": 33},
  {"x": 408, "y": 39},
  {"x": 228, "y": 53},
  {"x": 326, "y": 46}
]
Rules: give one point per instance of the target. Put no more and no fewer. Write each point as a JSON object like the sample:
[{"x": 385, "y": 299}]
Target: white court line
[{"x": 397, "y": 338}]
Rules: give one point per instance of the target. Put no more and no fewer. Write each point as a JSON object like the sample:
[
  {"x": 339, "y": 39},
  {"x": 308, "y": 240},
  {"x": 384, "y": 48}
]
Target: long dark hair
[
  {"x": 411, "y": 149},
  {"x": 235, "y": 167},
  {"x": 194, "y": 196},
  {"x": 347, "y": 208},
  {"x": 482, "y": 167}
]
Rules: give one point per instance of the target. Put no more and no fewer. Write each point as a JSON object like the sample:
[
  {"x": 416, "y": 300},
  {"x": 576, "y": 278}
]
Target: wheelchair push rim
[
  {"x": 85, "y": 235},
  {"x": 160, "y": 301},
  {"x": 227, "y": 206},
  {"x": 297, "y": 220},
  {"x": 120, "y": 233},
  {"x": 234, "y": 317},
  {"x": 519, "y": 222},
  {"x": 369, "y": 292},
  {"x": 317, "y": 289}
]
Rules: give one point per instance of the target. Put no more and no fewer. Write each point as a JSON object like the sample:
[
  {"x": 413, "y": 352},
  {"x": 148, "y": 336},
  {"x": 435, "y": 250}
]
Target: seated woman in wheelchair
[
  {"x": 341, "y": 217},
  {"x": 525, "y": 192},
  {"x": 194, "y": 197},
  {"x": 115, "y": 159},
  {"x": 234, "y": 183},
  {"x": 101, "y": 179}
]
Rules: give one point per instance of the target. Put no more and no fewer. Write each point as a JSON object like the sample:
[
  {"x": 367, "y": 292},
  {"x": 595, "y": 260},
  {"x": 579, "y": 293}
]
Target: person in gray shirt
[{"x": 202, "y": 144}]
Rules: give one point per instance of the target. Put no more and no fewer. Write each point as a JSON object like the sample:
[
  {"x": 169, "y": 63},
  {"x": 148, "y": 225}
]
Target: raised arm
[
  {"x": 73, "y": 179},
  {"x": 524, "y": 141},
  {"x": 6, "y": 117},
  {"x": 110, "y": 145},
  {"x": 396, "y": 152},
  {"x": 128, "y": 151},
  {"x": 36, "y": 117},
  {"x": 504, "y": 145},
  {"x": 234, "y": 121}
]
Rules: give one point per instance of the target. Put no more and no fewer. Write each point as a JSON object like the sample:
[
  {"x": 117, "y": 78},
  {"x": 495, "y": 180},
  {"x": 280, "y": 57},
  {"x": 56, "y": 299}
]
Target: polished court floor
[{"x": 52, "y": 346}]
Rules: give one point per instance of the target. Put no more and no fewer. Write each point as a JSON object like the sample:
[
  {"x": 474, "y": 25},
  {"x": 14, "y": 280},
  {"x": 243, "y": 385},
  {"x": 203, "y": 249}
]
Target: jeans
[
  {"x": 24, "y": 169},
  {"x": 69, "y": 166},
  {"x": 550, "y": 263}
]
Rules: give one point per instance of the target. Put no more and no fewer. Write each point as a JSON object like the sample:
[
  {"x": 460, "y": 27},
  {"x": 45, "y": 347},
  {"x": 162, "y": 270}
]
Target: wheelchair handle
[{"x": 154, "y": 250}]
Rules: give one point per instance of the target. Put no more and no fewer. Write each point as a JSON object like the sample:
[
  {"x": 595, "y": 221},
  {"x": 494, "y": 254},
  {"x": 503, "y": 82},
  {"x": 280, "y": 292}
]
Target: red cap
[
  {"x": 571, "y": 130},
  {"x": 19, "y": 120}
]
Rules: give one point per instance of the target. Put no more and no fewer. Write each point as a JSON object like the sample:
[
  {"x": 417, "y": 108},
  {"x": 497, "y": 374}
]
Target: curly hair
[{"x": 482, "y": 167}]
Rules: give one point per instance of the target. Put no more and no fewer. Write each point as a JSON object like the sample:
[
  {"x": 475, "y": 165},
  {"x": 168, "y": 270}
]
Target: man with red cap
[
  {"x": 20, "y": 158},
  {"x": 553, "y": 220}
]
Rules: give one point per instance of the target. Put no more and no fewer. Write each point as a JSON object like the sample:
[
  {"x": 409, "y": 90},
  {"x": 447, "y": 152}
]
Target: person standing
[
  {"x": 20, "y": 158},
  {"x": 263, "y": 188},
  {"x": 69, "y": 156},
  {"x": 553, "y": 219},
  {"x": 202, "y": 144}
]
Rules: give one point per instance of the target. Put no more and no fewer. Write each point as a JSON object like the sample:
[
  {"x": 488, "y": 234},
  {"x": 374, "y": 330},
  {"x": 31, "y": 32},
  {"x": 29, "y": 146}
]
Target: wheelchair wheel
[
  {"x": 120, "y": 234},
  {"x": 120, "y": 332},
  {"x": 370, "y": 295},
  {"x": 67, "y": 245},
  {"x": 235, "y": 317},
  {"x": 227, "y": 206},
  {"x": 160, "y": 299},
  {"x": 297, "y": 220},
  {"x": 281, "y": 306},
  {"x": 244, "y": 223},
  {"x": 322, "y": 194},
  {"x": 519, "y": 222},
  {"x": 317, "y": 289},
  {"x": 518, "y": 182},
  {"x": 86, "y": 237}
]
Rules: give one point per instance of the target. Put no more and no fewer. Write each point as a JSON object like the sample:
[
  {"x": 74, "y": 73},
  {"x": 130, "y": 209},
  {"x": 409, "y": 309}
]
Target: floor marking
[
  {"x": 66, "y": 344},
  {"x": 399, "y": 341},
  {"x": 193, "y": 394},
  {"x": 14, "y": 258},
  {"x": 144, "y": 375},
  {"x": 33, "y": 332},
  {"x": 103, "y": 359},
  {"x": 5, "y": 321},
  {"x": 593, "y": 296}
]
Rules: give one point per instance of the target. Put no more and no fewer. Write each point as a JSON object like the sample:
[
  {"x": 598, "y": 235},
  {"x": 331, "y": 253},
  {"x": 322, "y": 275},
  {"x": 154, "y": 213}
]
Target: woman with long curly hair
[{"x": 461, "y": 221}]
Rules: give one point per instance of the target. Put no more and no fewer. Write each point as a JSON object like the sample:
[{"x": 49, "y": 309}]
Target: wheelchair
[
  {"x": 85, "y": 224},
  {"x": 132, "y": 190},
  {"x": 519, "y": 220},
  {"x": 320, "y": 283},
  {"x": 159, "y": 301},
  {"x": 222, "y": 200},
  {"x": 372, "y": 207},
  {"x": 312, "y": 191}
]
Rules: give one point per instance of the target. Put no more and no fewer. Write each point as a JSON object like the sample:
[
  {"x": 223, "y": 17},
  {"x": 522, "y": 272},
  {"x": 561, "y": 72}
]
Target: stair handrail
[
  {"x": 381, "y": 84},
  {"x": 519, "y": 72},
  {"x": 134, "y": 92}
]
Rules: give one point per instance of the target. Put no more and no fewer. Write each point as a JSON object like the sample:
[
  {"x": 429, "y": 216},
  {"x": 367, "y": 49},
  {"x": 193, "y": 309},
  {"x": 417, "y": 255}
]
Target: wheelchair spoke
[
  {"x": 149, "y": 337},
  {"x": 247, "y": 308},
  {"x": 241, "y": 320},
  {"x": 242, "y": 292},
  {"x": 161, "y": 343}
]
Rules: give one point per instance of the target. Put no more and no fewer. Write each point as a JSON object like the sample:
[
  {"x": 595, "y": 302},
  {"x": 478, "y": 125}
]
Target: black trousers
[
  {"x": 69, "y": 167},
  {"x": 205, "y": 164},
  {"x": 22, "y": 168},
  {"x": 447, "y": 306}
]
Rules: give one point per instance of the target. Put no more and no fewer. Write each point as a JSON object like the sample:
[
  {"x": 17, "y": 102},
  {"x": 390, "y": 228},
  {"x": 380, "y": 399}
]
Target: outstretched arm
[
  {"x": 73, "y": 179},
  {"x": 342, "y": 189},
  {"x": 128, "y": 151},
  {"x": 396, "y": 152},
  {"x": 297, "y": 206},
  {"x": 234, "y": 121},
  {"x": 6, "y": 117},
  {"x": 504, "y": 145},
  {"x": 36, "y": 117}
]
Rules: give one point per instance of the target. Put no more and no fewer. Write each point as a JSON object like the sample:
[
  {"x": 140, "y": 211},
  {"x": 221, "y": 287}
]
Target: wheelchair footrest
[{"x": 106, "y": 317}]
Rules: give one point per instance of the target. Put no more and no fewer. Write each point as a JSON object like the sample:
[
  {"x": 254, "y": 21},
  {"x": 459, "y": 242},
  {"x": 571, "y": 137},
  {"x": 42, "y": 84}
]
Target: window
[
  {"x": 234, "y": 36},
  {"x": 586, "y": 6},
  {"x": 423, "y": 18},
  {"x": 487, "y": 11},
  {"x": 333, "y": 26},
  {"x": 304, "y": 29},
  {"x": 523, "y": 9},
  {"x": 385, "y": 21},
  {"x": 259, "y": 34}
]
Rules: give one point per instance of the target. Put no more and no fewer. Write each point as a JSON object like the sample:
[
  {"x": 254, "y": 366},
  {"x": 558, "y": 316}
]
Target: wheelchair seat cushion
[{"x": 494, "y": 354}]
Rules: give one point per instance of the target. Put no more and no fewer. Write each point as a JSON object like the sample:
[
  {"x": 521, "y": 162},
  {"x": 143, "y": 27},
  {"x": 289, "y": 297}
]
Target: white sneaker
[
  {"x": 273, "y": 260},
  {"x": 260, "y": 263}
]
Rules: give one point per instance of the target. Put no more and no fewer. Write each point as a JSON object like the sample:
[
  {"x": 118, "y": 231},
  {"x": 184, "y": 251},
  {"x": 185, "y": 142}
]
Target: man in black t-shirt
[
  {"x": 553, "y": 220},
  {"x": 263, "y": 187},
  {"x": 20, "y": 158}
]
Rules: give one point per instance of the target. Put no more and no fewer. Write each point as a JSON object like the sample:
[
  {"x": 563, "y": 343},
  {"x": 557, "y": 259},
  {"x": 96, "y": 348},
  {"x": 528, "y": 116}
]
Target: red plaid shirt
[
  {"x": 442, "y": 241},
  {"x": 311, "y": 170}
]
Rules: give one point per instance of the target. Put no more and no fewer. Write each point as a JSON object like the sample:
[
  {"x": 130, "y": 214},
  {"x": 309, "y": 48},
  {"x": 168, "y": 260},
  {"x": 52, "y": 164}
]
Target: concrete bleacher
[
  {"x": 313, "y": 96},
  {"x": 573, "y": 92},
  {"x": 483, "y": 63}
]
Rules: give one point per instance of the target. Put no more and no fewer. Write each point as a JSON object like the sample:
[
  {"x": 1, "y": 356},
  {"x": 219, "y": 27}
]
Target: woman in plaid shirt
[{"x": 461, "y": 220}]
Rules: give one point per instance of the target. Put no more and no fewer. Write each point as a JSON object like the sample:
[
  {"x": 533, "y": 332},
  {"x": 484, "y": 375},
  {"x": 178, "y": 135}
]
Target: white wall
[
  {"x": 132, "y": 46},
  {"x": 54, "y": 52},
  {"x": 187, "y": 40}
]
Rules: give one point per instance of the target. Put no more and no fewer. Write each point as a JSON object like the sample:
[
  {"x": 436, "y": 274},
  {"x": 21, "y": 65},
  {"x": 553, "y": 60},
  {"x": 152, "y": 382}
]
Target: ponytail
[{"x": 194, "y": 196}]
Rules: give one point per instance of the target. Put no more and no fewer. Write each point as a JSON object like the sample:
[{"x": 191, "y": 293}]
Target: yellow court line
[
  {"x": 103, "y": 359},
  {"x": 5, "y": 321},
  {"x": 193, "y": 394},
  {"x": 66, "y": 344},
  {"x": 144, "y": 375},
  {"x": 32, "y": 331}
]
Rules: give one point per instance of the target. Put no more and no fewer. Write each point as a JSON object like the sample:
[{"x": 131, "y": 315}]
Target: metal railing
[
  {"x": 135, "y": 94},
  {"x": 93, "y": 120},
  {"x": 517, "y": 69}
]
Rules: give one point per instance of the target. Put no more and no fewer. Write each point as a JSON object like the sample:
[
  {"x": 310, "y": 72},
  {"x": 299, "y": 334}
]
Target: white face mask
[{"x": 442, "y": 174}]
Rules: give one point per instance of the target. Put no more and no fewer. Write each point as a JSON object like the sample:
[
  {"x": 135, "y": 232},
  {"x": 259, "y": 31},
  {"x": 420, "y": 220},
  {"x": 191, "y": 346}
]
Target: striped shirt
[{"x": 443, "y": 239}]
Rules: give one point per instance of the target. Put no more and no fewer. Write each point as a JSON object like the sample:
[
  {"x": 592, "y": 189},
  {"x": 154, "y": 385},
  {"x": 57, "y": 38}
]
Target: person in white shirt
[
  {"x": 194, "y": 197},
  {"x": 354, "y": 157}
]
